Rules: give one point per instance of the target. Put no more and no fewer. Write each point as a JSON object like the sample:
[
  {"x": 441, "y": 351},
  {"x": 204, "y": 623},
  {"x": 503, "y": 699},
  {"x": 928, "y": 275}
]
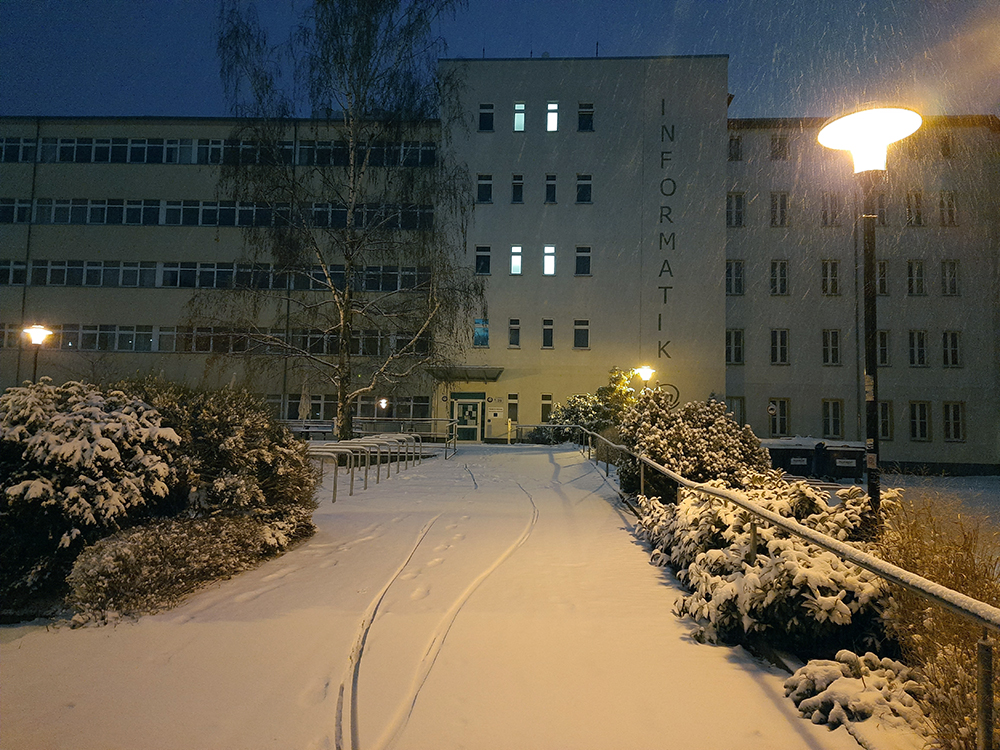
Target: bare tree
[{"x": 360, "y": 220}]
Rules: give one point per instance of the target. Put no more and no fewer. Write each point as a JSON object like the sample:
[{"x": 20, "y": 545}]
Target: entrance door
[{"x": 468, "y": 416}]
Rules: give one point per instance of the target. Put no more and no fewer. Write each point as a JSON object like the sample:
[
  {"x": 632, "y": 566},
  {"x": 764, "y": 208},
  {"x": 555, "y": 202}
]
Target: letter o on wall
[{"x": 667, "y": 186}]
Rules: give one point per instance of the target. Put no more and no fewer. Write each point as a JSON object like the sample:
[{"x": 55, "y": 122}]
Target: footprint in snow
[
  {"x": 442, "y": 547},
  {"x": 434, "y": 562},
  {"x": 421, "y": 592},
  {"x": 458, "y": 537},
  {"x": 409, "y": 575},
  {"x": 280, "y": 573}
]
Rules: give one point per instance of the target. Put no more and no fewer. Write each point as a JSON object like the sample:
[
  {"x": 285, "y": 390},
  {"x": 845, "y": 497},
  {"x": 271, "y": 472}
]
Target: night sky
[{"x": 786, "y": 58}]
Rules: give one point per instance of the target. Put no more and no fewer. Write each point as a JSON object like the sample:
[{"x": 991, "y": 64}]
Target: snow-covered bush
[
  {"x": 698, "y": 440},
  {"x": 237, "y": 460},
  {"x": 76, "y": 464},
  {"x": 152, "y": 567},
  {"x": 853, "y": 688},
  {"x": 791, "y": 593},
  {"x": 585, "y": 410}
]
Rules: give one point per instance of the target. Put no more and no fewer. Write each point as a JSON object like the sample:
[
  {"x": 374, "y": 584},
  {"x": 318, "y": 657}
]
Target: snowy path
[{"x": 496, "y": 600}]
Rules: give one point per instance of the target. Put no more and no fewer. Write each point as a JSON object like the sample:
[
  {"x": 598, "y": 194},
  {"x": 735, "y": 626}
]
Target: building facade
[{"x": 619, "y": 220}]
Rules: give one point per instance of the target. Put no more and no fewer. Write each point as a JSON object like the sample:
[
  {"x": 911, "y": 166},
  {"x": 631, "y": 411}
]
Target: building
[{"x": 620, "y": 220}]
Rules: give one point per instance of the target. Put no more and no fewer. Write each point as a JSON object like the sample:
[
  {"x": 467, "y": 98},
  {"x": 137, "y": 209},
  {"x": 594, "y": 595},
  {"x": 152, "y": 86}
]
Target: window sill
[
  {"x": 581, "y": 348},
  {"x": 583, "y": 275},
  {"x": 585, "y": 203}
]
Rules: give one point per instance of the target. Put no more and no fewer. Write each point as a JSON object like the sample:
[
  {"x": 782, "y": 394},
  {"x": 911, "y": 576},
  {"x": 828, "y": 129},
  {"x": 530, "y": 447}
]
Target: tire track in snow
[
  {"x": 405, "y": 710},
  {"x": 349, "y": 685}
]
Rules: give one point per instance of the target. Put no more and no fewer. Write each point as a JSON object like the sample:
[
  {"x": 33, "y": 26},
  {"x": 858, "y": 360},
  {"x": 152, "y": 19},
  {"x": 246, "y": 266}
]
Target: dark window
[{"x": 482, "y": 260}]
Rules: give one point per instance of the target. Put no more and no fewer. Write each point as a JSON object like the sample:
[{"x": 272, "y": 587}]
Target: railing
[
  {"x": 984, "y": 615},
  {"x": 408, "y": 450}
]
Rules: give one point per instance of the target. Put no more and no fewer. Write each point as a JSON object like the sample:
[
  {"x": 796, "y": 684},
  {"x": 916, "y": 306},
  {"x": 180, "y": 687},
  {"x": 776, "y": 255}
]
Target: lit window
[
  {"x": 584, "y": 185},
  {"x": 515, "y": 260},
  {"x": 582, "y": 261},
  {"x": 481, "y": 333},
  {"x": 549, "y": 260},
  {"x": 519, "y": 117},
  {"x": 552, "y": 117},
  {"x": 581, "y": 334},
  {"x": 585, "y": 117}
]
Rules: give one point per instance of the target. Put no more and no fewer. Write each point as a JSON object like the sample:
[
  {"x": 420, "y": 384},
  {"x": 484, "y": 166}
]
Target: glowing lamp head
[
  {"x": 383, "y": 402},
  {"x": 645, "y": 373},
  {"x": 37, "y": 334},
  {"x": 867, "y": 134}
]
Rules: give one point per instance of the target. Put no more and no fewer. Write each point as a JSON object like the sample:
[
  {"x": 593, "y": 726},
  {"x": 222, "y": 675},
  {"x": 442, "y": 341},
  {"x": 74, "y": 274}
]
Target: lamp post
[
  {"x": 867, "y": 134},
  {"x": 645, "y": 372},
  {"x": 37, "y": 334}
]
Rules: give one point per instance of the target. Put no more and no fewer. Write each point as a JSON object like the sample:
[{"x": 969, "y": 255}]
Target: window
[
  {"x": 584, "y": 185},
  {"x": 550, "y": 188},
  {"x": 486, "y": 118},
  {"x": 885, "y": 420},
  {"x": 484, "y": 189},
  {"x": 734, "y": 346},
  {"x": 882, "y": 344},
  {"x": 549, "y": 260},
  {"x": 481, "y": 333},
  {"x": 946, "y": 144},
  {"x": 518, "y": 117},
  {"x": 915, "y": 278},
  {"x": 833, "y": 410},
  {"x": 546, "y": 333},
  {"x": 515, "y": 260},
  {"x": 951, "y": 348},
  {"x": 779, "y": 409},
  {"x": 779, "y": 346},
  {"x": 546, "y": 406},
  {"x": 582, "y": 261},
  {"x": 779, "y": 209},
  {"x": 735, "y": 148},
  {"x": 779, "y": 277},
  {"x": 831, "y": 346},
  {"x": 734, "y": 277},
  {"x": 949, "y": 278},
  {"x": 882, "y": 277},
  {"x": 581, "y": 334},
  {"x": 918, "y": 348},
  {"x": 483, "y": 260},
  {"x": 514, "y": 333},
  {"x": 737, "y": 407},
  {"x": 946, "y": 208},
  {"x": 735, "y": 203},
  {"x": 779, "y": 148},
  {"x": 914, "y": 209},
  {"x": 517, "y": 189},
  {"x": 881, "y": 217},
  {"x": 512, "y": 407},
  {"x": 920, "y": 420},
  {"x": 830, "y": 213},
  {"x": 552, "y": 117},
  {"x": 585, "y": 117},
  {"x": 954, "y": 421},
  {"x": 831, "y": 277}
]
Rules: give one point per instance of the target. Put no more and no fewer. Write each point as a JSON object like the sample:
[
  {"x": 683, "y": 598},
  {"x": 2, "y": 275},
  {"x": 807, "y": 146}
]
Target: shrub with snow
[
  {"x": 853, "y": 688},
  {"x": 791, "y": 593},
  {"x": 76, "y": 464},
  {"x": 699, "y": 440}
]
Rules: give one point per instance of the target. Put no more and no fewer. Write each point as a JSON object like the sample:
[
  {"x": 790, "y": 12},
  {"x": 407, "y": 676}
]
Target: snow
[{"x": 496, "y": 600}]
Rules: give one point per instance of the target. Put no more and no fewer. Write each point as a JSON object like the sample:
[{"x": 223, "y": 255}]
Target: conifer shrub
[{"x": 76, "y": 464}]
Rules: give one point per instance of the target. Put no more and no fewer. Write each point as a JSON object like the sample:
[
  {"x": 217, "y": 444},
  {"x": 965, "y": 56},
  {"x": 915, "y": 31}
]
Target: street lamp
[
  {"x": 37, "y": 334},
  {"x": 867, "y": 134},
  {"x": 645, "y": 372}
]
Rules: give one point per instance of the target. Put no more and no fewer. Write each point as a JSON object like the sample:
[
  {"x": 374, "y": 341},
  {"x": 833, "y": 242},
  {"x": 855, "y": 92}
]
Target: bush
[
  {"x": 150, "y": 568},
  {"x": 699, "y": 441},
  {"x": 792, "y": 593},
  {"x": 933, "y": 537},
  {"x": 593, "y": 411},
  {"x": 76, "y": 465}
]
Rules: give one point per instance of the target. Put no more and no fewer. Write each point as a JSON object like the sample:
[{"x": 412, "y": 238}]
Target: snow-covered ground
[{"x": 496, "y": 600}]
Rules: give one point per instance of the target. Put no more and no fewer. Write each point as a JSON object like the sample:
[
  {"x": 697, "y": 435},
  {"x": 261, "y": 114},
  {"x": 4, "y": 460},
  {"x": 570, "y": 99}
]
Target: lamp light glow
[
  {"x": 37, "y": 334},
  {"x": 645, "y": 372},
  {"x": 867, "y": 134},
  {"x": 383, "y": 402}
]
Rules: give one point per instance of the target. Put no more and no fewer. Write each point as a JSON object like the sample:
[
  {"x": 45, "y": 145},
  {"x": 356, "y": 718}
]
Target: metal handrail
[{"x": 981, "y": 613}]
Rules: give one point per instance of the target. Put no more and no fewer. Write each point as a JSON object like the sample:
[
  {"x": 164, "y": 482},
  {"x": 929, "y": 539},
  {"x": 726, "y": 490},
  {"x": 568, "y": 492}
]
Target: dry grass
[{"x": 930, "y": 534}]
